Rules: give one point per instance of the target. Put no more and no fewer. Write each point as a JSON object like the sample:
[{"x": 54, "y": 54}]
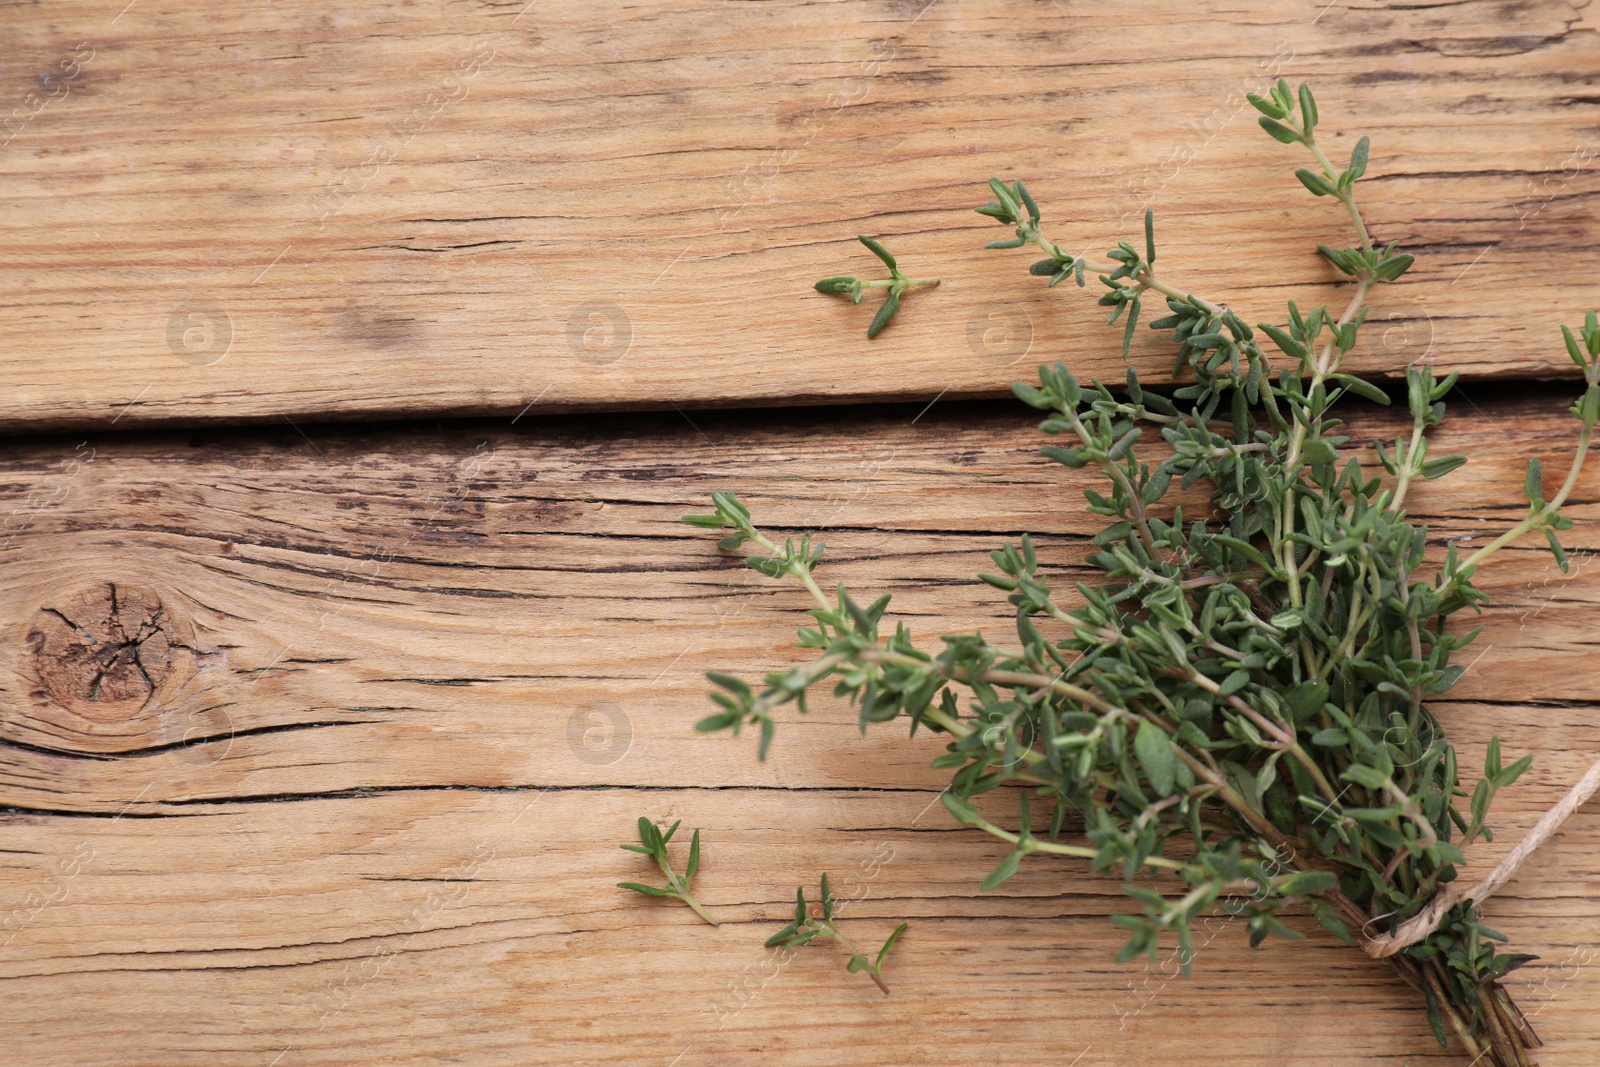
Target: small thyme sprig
[
  {"x": 655, "y": 846},
  {"x": 1545, "y": 515},
  {"x": 897, "y": 283},
  {"x": 806, "y": 928},
  {"x": 1256, "y": 685}
]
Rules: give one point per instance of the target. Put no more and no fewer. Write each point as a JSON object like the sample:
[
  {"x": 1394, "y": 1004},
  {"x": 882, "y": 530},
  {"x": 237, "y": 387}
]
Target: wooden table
[{"x": 387, "y": 697}]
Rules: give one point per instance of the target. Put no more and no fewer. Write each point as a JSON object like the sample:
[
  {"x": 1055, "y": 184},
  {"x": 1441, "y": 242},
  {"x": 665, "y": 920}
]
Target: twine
[{"x": 1427, "y": 920}]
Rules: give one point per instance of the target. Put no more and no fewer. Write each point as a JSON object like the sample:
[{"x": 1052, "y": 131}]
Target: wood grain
[
  {"x": 375, "y": 708},
  {"x": 270, "y": 211}
]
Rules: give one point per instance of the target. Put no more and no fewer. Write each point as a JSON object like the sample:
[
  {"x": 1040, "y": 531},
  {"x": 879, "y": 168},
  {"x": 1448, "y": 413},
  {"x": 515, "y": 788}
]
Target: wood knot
[{"x": 105, "y": 651}]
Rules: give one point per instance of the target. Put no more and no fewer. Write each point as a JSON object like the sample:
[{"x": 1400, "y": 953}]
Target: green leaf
[
  {"x": 1284, "y": 341},
  {"x": 1305, "y": 700},
  {"x": 1330, "y": 920},
  {"x": 1513, "y": 772},
  {"x": 1027, "y": 201},
  {"x": 1362, "y": 388},
  {"x": 1589, "y": 406},
  {"x": 1308, "y": 107},
  {"x": 862, "y": 620},
  {"x": 647, "y": 890},
  {"x": 1143, "y": 938},
  {"x": 1339, "y": 257},
  {"x": 1070, "y": 457},
  {"x": 1435, "y": 1016},
  {"x": 1505, "y": 963},
  {"x": 1572, "y": 348},
  {"x": 836, "y": 285},
  {"x": 827, "y": 898},
  {"x": 1308, "y": 883},
  {"x": 887, "y": 945},
  {"x": 729, "y": 505},
  {"x": 707, "y": 522},
  {"x": 1149, "y": 236},
  {"x": 769, "y": 730},
  {"x": 1318, "y": 452},
  {"x": 1032, "y": 396},
  {"x": 1556, "y": 550},
  {"x": 1394, "y": 266},
  {"x": 1533, "y": 484},
  {"x": 1005, "y": 870},
  {"x": 858, "y": 964},
  {"x": 694, "y": 858},
  {"x": 1154, "y": 750},
  {"x": 1358, "y": 160},
  {"x": 1265, "y": 106},
  {"x": 1127, "y": 332},
  {"x": 890, "y": 305},
  {"x": 879, "y": 251},
  {"x": 1279, "y": 131},
  {"x": 1438, "y": 468},
  {"x": 962, "y": 810},
  {"x": 1314, "y": 182},
  {"x": 737, "y": 686},
  {"x": 1008, "y": 199},
  {"x": 1245, "y": 549},
  {"x": 1365, "y": 776}
]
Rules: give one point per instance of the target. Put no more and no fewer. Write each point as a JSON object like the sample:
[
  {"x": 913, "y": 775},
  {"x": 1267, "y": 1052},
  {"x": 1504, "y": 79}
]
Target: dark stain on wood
[{"x": 377, "y": 328}]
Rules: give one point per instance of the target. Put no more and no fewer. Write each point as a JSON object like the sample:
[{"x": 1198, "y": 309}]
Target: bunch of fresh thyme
[{"x": 1251, "y": 680}]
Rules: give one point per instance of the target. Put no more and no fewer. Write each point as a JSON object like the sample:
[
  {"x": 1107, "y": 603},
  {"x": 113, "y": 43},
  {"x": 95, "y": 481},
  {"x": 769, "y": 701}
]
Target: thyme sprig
[
  {"x": 897, "y": 283},
  {"x": 654, "y": 845},
  {"x": 806, "y": 928},
  {"x": 1255, "y": 686}
]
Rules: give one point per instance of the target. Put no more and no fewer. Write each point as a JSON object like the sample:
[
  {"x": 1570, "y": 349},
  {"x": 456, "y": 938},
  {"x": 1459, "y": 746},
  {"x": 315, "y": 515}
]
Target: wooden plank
[
  {"x": 263, "y": 211},
  {"x": 417, "y": 927},
  {"x": 411, "y": 689}
]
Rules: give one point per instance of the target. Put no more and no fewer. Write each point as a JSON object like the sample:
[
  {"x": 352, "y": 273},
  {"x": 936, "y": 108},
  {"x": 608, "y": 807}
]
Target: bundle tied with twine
[{"x": 1420, "y": 925}]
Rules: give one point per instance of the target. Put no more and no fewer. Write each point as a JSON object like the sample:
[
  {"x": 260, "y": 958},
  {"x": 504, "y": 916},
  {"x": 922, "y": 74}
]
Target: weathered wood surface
[
  {"x": 385, "y": 703},
  {"x": 260, "y": 211}
]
